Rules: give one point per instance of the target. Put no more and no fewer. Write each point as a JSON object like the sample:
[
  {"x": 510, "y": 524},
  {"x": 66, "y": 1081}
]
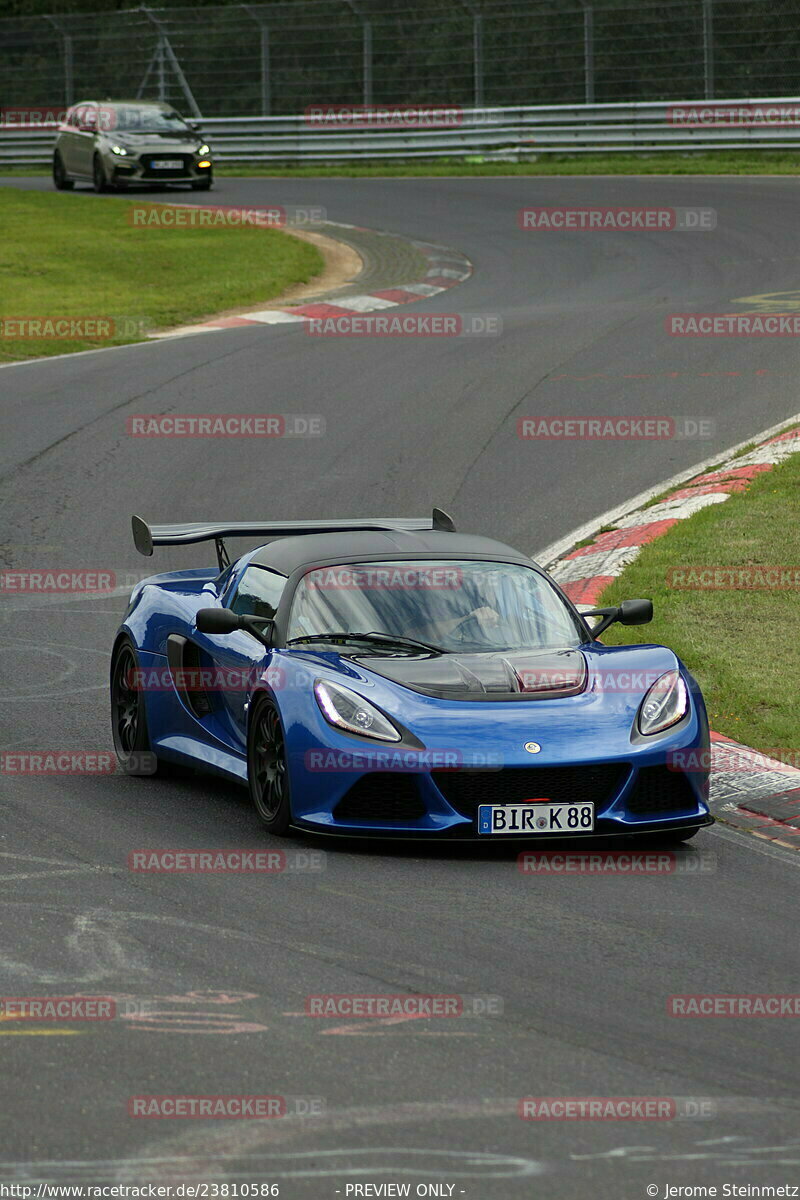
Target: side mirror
[
  {"x": 635, "y": 612},
  {"x": 630, "y": 612},
  {"x": 194, "y": 126},
  {"x": 217, "y": 620},
  {"x": 225, "y": 620}
]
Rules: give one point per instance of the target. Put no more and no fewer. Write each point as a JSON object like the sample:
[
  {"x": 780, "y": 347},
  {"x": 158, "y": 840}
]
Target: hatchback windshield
[
  {"x": 457, "y": 606},
  {"x": 131, "y": 118}
]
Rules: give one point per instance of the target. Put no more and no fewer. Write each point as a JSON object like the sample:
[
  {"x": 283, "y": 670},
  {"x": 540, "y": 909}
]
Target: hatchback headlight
[
  {"x": 204, "y": 149},
  {"x": 665, "y": 704},
  {"x": 347, "y": 710},
  {"x": 120, "y": 150}
]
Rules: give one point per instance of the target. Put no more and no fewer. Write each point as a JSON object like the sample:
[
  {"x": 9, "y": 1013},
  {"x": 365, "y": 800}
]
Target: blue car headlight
[
  {"x": 666, "y": 702},
  {"x": 349, "y": 711}
]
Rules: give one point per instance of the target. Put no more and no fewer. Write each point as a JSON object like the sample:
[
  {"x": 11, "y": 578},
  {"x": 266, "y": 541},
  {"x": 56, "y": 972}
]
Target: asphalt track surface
[{"x": 222, "y": 964}]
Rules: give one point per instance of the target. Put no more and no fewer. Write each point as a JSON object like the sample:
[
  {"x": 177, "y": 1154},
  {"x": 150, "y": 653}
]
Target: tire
[
  {"x": 129, "y": 717},
  {"x": 99, "y": 176},
  {"x": 267, "y": 767},
  {"x": 62, "y": 183}
]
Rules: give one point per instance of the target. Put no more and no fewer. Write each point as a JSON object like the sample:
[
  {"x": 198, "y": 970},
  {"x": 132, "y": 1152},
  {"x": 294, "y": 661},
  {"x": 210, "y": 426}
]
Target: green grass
[
  {"x": 742, "y": 646},
  {"x": 64, "y": 255},
  {"x": 742, "y": 162}
]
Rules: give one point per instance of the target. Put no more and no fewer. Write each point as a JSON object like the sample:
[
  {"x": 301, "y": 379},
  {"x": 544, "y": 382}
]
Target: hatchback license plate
[
  {"x": 536, "y": 817},
  {"x": 167, "y": 164}
]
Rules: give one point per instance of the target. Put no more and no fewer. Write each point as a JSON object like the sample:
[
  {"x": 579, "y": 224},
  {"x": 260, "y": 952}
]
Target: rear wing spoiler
[{"x": 145, "y": 536}]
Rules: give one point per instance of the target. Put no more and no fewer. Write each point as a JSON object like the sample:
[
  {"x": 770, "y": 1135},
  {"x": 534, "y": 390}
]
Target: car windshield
[
  {"x": 457, "y": 606},
  {"x": 134, "y": 119}
]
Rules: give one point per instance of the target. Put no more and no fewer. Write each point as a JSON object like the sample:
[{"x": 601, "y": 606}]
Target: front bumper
[
  {"x": 643, "y": 792},
  {"x": 138, "y": 169}
]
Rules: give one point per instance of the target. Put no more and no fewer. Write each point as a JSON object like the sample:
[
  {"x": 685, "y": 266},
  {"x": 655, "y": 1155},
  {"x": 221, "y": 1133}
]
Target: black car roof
[{"x": 287, "y": 554}]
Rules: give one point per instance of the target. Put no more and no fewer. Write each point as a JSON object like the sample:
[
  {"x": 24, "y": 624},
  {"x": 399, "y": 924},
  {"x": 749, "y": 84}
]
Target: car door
[
  {"x": 83, "y": 133},
  {"x": 66, "y": 140},
  {"x": 238, "y": 659}
]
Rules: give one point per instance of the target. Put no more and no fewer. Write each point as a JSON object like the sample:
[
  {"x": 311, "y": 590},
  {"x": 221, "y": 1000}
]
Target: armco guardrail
[{"x": 507, "y": 134}]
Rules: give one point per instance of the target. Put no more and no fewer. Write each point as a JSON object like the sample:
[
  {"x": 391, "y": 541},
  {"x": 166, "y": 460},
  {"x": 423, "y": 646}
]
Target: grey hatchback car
[{"x": 114, "y": 143}]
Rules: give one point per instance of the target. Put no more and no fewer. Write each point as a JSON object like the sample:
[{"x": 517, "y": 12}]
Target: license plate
[
  {"x": 535, "y": 818},
  {"x": 167, "y": 164}
]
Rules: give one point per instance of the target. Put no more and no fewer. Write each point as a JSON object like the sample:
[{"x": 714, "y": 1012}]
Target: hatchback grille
[
  {"x": 465, "y": 790},
  {"x": 381, "y": 796},
  {"x": 658, "y": 790}
]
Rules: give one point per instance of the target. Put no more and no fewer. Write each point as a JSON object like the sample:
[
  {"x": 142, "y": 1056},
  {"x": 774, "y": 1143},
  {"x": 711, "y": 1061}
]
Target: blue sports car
[{"x": 393, "y": 677}]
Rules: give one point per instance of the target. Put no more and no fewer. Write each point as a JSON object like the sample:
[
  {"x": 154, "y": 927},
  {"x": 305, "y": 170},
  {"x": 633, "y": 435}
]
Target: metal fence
[
  {"x": 497, "y": 134},
  {"x": 279, "y": 57}
]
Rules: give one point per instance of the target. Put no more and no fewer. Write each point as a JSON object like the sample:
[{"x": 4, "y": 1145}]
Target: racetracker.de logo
[
  {"x": 615, "y": 862},
  {"x": 733, "y": 324},
  {"x": 736, "y": 758},
  {"x": 57, "y": 1008},
  {"x": 204, "y": 679},
  {"x": 225, "y": 862},
  {"x": 614, "y": 1108},
  {"x": 388, "y": 759},
  {"x": 721, "y": 1004},
  {"x": 751, "y": 578},
  {"x": 600, "y": 219},
  {"x": 60, "y": 328},
  {"x": 405, "y": 325},
  {"x": 401, "y": 1006},
  {"x": 57, "y": 762},
  {"x": 232, "y": 1108},
  {"x": 31, "y": 116},
  {"x": 235, "y": 425},
  {"x": 57, "y": 581},
  {"x": 597, "y": 428},
  {"x": 395, "y": 578},
  {"x": 719, "y": 115},
  {"x": 222, "y": 216},
  {"x": 383, "y": 116}
]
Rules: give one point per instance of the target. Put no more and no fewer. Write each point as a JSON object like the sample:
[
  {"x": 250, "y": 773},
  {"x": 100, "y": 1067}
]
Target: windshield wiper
[{"x": 379, "y": 639}]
